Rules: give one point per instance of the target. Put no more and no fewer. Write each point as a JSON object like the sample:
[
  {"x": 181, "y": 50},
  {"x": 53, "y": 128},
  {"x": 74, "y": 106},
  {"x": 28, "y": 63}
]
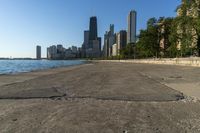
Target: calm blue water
[{"x": 19, "y": 66}]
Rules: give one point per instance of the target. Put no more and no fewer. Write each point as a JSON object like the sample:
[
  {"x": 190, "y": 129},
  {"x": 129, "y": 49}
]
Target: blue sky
[{"x": 27, "y": 23}]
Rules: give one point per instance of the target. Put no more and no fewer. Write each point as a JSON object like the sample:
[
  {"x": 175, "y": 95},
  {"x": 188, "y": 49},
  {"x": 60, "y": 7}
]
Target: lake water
[{"x": 19, "y": 66}]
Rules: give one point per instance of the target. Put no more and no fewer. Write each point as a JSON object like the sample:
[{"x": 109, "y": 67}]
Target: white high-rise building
[
  {"x": 114, "y": 50},
  {"x": 132, "y": 21}
]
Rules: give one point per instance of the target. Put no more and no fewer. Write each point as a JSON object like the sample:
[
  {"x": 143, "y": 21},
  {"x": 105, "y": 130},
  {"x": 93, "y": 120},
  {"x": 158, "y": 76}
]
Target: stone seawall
[{"x": 175, "y": 61}]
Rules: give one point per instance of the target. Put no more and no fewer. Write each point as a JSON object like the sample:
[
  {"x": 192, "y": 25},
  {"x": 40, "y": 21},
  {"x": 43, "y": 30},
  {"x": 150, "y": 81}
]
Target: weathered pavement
[{"x": 101, "y": 97}]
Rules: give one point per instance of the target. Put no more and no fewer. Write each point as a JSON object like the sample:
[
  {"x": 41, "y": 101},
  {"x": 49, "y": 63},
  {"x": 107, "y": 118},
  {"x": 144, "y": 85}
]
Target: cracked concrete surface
[{"x": 100, "y": 98}]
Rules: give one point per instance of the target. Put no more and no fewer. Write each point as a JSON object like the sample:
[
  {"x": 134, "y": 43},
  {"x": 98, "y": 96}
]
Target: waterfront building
[
  {"x": 38, "y": 52},
  {"x": 59, "y": 52},
  {"x": 52, "y": 52},
  {"x": 69, "y": 54},
  {"x": 131, "y": 34},
  {"x": 74, "y": 49},
  {"x": 60, "y": 49}
]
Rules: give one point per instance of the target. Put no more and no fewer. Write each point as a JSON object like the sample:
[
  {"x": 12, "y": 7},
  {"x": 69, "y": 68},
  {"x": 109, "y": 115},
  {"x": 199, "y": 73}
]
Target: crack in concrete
[
  {"x": 179, "y": 96},
  {"x": 65, "y": 97}
]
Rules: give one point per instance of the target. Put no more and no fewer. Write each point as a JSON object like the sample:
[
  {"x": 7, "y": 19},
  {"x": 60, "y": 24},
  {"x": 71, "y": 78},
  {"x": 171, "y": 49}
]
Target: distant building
[
  {"x": 112, "y": 41},
  {"x": 106, "y": 45},
  {"x": 85, "y": 44},
  {"x": 114, "y": 50},
  {"x": 86, "y": 36},
  {"x": 121, "y": 40},
  {"x": 69, "y": 54},
  {"x": 93, "y": 28},
  {"x": 60, "y": 53},
  {"x": 93, "y": 52},
  {"x": 38, "y": 52},
  {"x": 99, "y": 39},
  {"x": 131, "y": 34},
  {"x": 52, "y": 52},
  {"x": 109, "y": 40},
  {"x": 91, "y": 47},
  {"x": 74, "y": 49},
  {"x": 60, "y": 48},
  {"x": 79, "y": 55}
]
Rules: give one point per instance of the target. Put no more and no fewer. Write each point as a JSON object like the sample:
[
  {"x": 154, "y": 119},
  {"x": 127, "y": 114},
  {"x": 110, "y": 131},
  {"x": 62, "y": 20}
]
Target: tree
[
  {"x": 173, "y": 39},
  {"x": 164, "y": 31},
  {"x": 196, "y": 22},
  {"x": 180, "y": 35},
  {"x": 187, "y": 24},
  {"x": 148, "y": 44},
  {"x": 128, "y": 51}
]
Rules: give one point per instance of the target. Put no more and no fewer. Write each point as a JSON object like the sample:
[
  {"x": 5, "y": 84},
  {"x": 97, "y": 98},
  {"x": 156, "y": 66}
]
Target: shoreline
[
  {"x": 44, "y": 69},
  {"x": 21, "y": 77}
]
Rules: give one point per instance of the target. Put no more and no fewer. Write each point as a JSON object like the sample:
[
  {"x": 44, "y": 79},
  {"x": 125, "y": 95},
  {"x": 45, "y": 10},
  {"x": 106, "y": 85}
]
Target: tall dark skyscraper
[
  {"x": 92, "y": 43},
  {"x": 93, "y": 28}
]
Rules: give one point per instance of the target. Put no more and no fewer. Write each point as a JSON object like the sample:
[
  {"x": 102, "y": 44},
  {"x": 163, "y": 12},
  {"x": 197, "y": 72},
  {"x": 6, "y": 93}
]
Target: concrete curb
[{"x": 176, "y": 61}]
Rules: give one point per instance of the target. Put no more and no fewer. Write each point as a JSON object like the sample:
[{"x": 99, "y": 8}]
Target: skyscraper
[
  {"x": 132, "y": 19},
  {"x": 86, "y": 37},
  {"x": 106, "y": 45},
  {"x": 85, "y": 43},
  {"x": 109, "y": 40},
  {"x": 112, "y": 29},
  {"x": 121, "y": 40},
  {"x": 38, "y": 52},
  {"x": 93, "y": 28},
  {"x": 91, "y": 47}
]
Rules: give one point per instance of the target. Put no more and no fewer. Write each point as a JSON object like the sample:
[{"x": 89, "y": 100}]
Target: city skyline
[{"x": 24, "y": 24}]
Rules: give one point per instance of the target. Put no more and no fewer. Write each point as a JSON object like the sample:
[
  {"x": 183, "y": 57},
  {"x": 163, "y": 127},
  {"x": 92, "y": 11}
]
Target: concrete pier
[{"x": 102, "y": 97}]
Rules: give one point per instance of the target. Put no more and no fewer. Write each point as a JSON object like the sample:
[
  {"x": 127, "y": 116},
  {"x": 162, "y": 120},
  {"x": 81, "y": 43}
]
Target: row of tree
[{"x": 169, "y": 37}]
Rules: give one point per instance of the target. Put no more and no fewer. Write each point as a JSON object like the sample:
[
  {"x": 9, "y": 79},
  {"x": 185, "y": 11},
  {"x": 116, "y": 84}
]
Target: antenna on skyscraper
[{"x": 93, "y": 14}]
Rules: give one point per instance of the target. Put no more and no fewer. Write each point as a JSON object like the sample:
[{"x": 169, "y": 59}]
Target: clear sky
[{"x": 27, "y": 23}]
